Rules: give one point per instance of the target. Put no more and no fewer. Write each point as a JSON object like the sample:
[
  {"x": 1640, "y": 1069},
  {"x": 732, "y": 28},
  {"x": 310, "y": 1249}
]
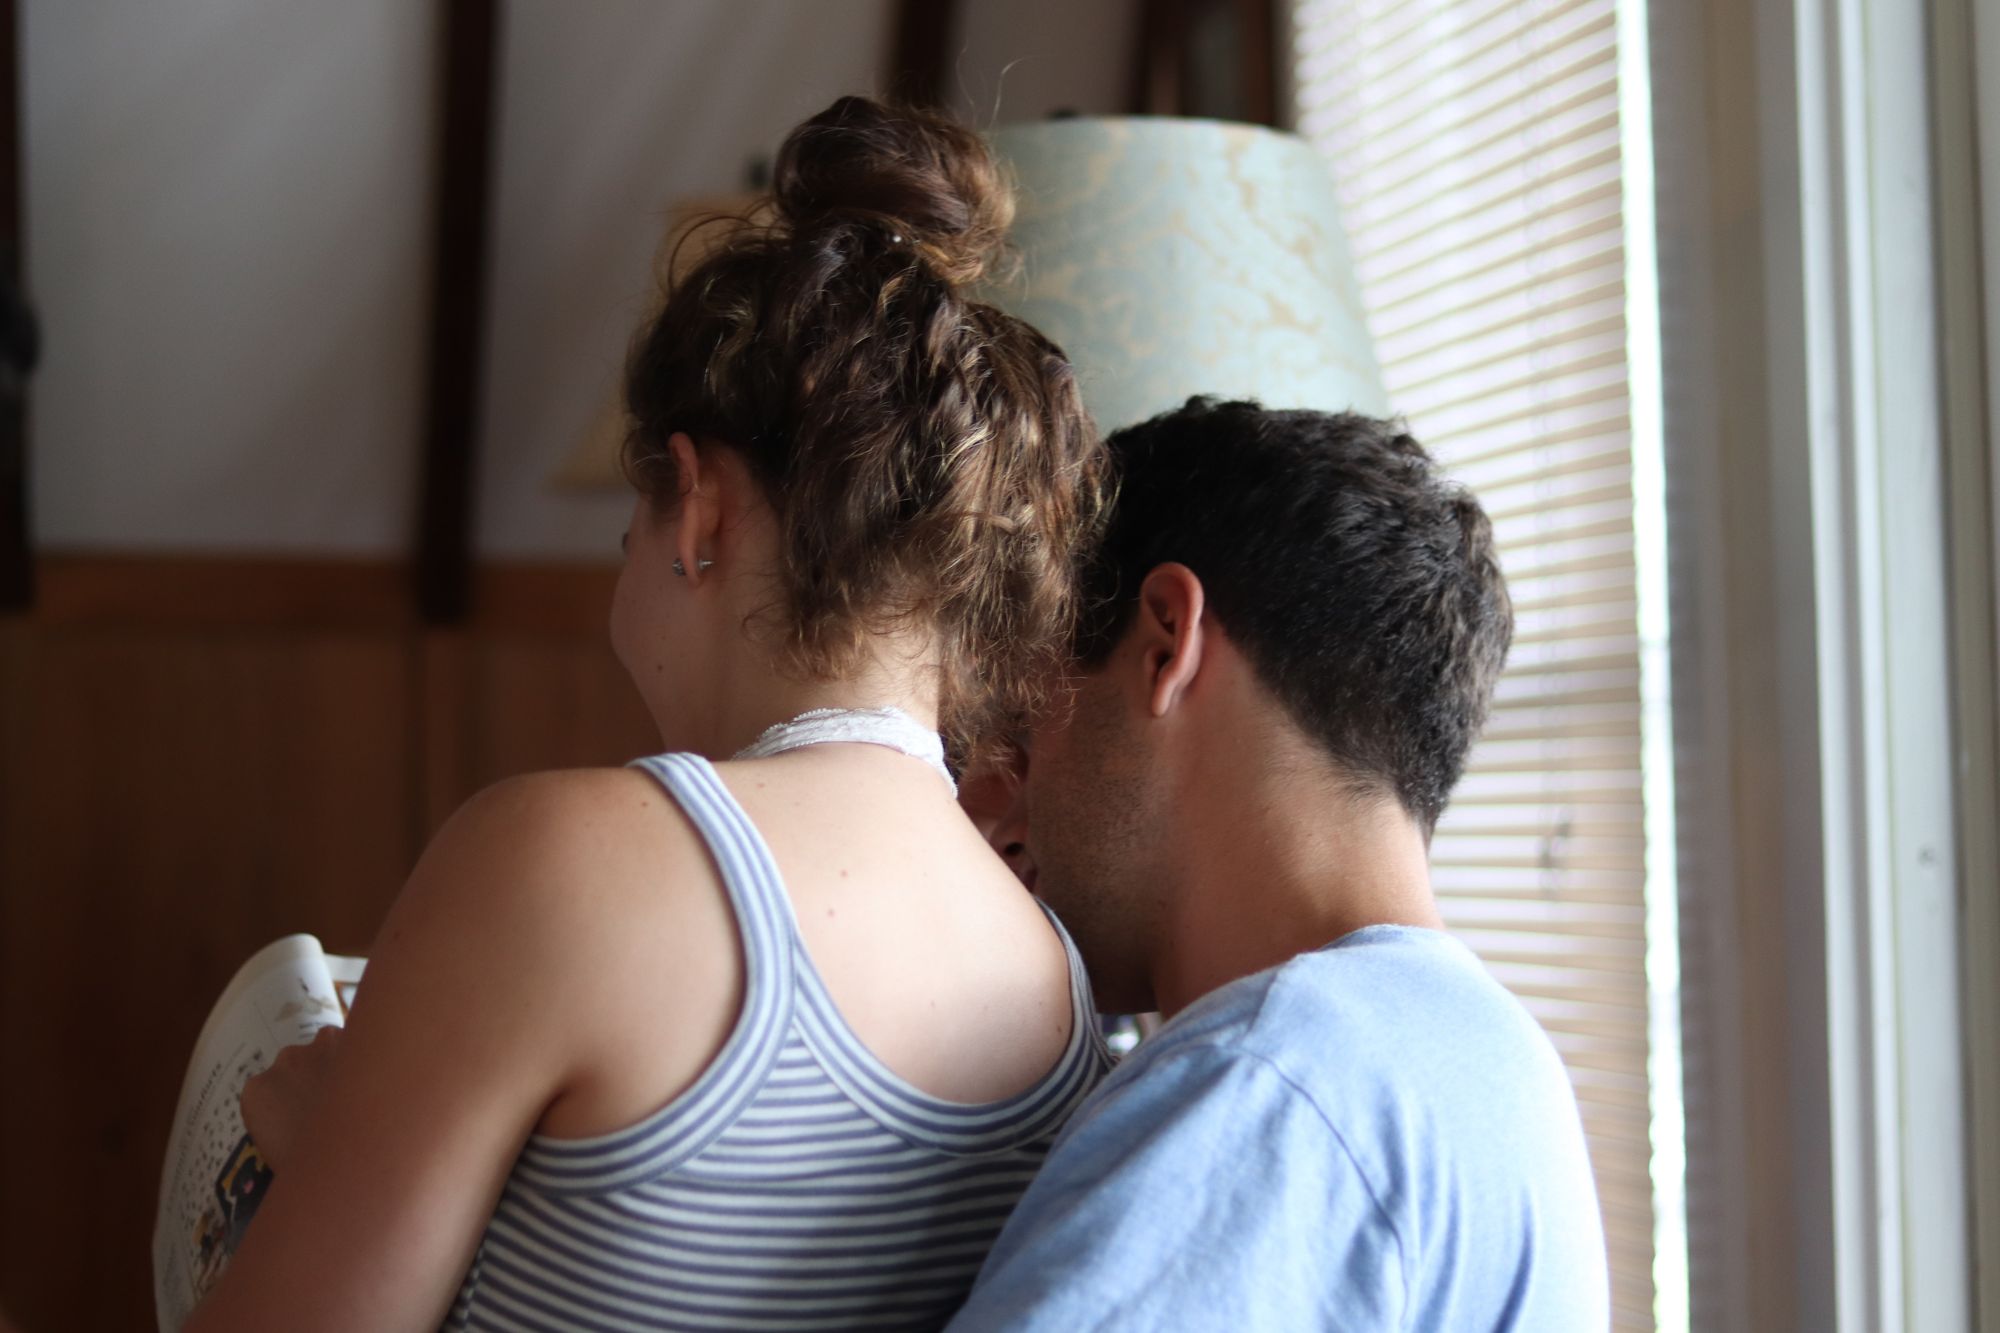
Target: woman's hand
[{"x": 278, "y": 1102}]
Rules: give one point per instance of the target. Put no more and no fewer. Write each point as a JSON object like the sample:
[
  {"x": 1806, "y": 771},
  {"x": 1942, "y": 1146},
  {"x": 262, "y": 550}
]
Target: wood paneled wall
[{"x": 197, "y": 756}]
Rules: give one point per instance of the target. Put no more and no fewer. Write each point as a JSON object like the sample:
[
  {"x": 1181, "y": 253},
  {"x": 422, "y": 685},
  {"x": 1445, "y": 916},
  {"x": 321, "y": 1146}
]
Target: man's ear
[
  {"x": 701, "y": 507},
  {"x": 1169, "y": 632}
]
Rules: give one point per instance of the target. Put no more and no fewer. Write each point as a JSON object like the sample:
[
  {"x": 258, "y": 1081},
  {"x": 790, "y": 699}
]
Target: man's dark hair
[{"x": 1361, "y": 584}]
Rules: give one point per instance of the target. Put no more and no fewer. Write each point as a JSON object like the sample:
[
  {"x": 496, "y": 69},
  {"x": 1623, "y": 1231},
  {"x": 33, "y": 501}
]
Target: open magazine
[{"x": 213, "y": 1178}]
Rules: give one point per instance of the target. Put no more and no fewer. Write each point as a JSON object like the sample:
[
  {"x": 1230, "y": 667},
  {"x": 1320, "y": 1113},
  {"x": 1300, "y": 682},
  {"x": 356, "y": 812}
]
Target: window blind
[{"x": 1476, "y": 144}]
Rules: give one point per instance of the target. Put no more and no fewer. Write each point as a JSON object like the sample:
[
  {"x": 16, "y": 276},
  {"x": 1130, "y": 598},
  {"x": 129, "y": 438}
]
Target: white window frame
[
  {"x": 1814, "y": 665},
  {"x": 1966, "y": 51}
]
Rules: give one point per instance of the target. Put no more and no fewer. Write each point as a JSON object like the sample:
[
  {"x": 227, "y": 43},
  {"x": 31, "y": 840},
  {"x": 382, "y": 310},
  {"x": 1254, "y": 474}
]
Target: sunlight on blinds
[{"x": 1477, "y": 148}]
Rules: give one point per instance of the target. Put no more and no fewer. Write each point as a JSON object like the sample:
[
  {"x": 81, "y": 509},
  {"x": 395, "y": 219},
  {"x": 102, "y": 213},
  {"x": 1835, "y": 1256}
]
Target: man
[{"x": 1294, "y": 630}]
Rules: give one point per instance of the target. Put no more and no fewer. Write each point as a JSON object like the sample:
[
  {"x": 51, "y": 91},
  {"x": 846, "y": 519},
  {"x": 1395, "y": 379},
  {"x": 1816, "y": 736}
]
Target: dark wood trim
[
  {"x": 1260, "y": 29},
  {"x": 458, "y": 309},
  {"x": 567, "y": 600},
  {"x": 1163, "y": 74},
  {"x": 17, "y": 336},
  {"x": 1156, "y": 66},
  {"x": 219, "y": 592},
  {"x": 921, "y": 56}
]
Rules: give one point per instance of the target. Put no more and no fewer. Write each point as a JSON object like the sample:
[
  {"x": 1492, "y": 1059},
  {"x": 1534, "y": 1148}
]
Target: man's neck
[{"x": 1277, "y": 857}]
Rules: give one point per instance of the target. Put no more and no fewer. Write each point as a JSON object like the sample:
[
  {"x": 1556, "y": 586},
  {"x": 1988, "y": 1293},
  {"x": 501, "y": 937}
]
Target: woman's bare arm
[{"x": 485, "y": 997}]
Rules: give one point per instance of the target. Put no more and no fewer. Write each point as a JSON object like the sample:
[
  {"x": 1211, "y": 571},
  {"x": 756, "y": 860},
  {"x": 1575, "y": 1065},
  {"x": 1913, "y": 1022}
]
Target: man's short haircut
[{"x": 1362, "y": 586}]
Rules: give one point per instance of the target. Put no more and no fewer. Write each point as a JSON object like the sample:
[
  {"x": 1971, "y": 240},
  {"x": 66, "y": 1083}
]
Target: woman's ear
[
  {"x": 1169, "y": 630},
  {"x": 701, "y": 508}
]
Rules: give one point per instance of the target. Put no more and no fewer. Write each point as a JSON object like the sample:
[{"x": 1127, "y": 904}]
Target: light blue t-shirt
[{"x": 1374, "y": 1135}]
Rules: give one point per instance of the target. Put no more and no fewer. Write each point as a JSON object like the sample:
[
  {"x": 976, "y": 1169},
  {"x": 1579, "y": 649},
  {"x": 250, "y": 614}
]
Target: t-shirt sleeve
[{"x": 1201, "y": 1190}]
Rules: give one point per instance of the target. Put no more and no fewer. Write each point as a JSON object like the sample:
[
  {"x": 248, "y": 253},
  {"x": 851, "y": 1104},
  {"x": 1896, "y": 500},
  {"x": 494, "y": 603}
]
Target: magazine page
[
  {"x": 213, "y": 1179},
  {"x": 346, "y": 974}
]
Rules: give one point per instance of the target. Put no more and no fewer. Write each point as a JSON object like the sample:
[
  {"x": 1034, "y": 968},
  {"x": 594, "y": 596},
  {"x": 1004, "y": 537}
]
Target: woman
[{"x": 773, "y": 1041}]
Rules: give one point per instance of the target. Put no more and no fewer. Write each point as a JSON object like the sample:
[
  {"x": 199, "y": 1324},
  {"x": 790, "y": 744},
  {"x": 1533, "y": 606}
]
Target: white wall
[
  {"x": 228, "y": 232},
  {"x": 227, "y": 206}
]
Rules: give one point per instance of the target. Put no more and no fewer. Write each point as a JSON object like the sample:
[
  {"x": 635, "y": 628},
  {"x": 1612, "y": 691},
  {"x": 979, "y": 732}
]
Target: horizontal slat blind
[{"x": 1476, "y": 145}]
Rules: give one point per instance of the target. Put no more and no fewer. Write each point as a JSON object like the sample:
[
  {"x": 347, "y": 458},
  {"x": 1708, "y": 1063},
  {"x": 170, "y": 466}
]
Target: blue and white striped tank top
[{"x": 798, "y": 1184}]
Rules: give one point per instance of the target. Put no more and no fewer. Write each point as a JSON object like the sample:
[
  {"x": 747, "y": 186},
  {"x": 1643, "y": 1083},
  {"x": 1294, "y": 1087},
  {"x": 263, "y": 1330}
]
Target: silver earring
[{"x": 701, "y": 566}]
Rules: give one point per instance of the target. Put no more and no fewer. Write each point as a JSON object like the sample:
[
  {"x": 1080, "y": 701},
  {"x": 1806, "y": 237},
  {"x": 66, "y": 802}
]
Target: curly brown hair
[{"x": 928, "y": 456}]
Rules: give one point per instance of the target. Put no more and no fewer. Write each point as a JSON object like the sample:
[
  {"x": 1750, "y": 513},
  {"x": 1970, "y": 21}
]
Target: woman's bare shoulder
[
  {"x": 589, "y": 892},
  {"x": 566, "y": 870},
  {"x": 571, "y": 831}
]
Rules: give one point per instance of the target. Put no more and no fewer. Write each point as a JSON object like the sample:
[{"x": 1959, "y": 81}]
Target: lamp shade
[{"x": 1171, "y": 257}]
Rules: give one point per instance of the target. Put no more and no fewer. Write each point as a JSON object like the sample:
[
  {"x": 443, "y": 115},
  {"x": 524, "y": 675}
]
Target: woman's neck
[{"x": 743, "y": 704}]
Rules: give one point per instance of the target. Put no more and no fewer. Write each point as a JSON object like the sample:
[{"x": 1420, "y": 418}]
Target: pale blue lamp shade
[{"x": 1173, "y": 257}]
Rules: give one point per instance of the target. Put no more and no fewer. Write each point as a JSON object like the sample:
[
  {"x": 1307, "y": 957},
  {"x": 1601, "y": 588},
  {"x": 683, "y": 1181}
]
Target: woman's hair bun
[
  {"x": 926, "y": 455},
  {"x": 919, "y": 178}
]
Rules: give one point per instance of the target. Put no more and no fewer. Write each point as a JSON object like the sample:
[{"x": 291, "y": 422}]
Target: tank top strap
[
  {"x": 749, "y": 872},
  {"x": 695, "y": 1117}
]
